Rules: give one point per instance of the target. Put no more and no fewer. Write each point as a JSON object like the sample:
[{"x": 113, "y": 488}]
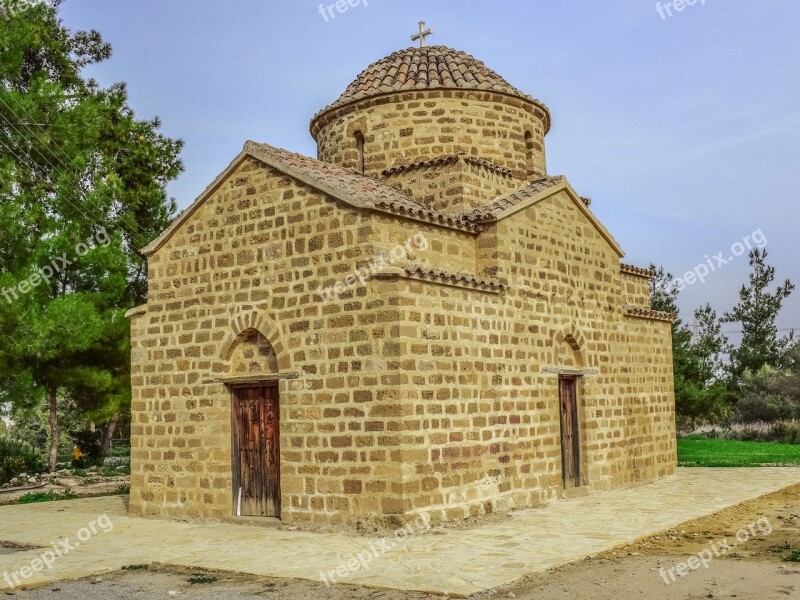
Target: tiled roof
[
  {"x": 456, "y": 279},
  {"x": 638, "y": 271},
  {"x": 362, "y": 192},
  {"x": 494, "y": 208},
  {"x": 351, "y": 187},
  {"x": 431, "y": 67},
  {"x": 445, "y": 160},
  {"x": 487, "y": 164},
  {"x": 423, "y": 164},
  {"x": 648, "y": 313}
]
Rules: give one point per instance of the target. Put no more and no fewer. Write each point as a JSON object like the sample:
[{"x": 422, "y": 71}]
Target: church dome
[
  {"x": 428, "y": 119},
  {"x": 427, "y": 68}
]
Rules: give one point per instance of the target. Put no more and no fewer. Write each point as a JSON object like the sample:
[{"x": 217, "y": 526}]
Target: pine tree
[
  {"x": 757, "y": 313},
  {"x": 82, "y": 187},
  {"x": 700, "y": 390},
  {"x": 664, "y": 298},
  {"x": 709, "y": 344}
]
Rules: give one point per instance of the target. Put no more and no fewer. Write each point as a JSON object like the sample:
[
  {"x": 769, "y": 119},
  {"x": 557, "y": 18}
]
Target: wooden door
[
  {"x": 570, "y": 438},
  {"x": 256, "y": 452}
]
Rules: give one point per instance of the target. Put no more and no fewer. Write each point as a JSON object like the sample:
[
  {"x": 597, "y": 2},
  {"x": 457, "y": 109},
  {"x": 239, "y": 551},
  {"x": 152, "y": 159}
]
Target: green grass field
[{"x": 700, "y": 452}]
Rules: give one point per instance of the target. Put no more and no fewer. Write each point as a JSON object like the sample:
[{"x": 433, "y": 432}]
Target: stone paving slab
[{"x": 456, "y": 562}]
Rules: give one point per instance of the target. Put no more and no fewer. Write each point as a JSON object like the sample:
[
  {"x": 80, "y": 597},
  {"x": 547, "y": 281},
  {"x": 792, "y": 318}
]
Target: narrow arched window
[
  {"x": 529, "y": 152},
  {"x": 360, "y": 148}
]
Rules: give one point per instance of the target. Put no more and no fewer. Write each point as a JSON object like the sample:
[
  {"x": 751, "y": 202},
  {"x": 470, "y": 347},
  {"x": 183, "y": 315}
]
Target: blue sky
[{"x": 684, "y": 130}]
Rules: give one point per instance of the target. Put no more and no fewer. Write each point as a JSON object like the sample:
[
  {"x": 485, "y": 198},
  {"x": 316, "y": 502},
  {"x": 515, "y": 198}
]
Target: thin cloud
[{"x": 736, "y": 141}]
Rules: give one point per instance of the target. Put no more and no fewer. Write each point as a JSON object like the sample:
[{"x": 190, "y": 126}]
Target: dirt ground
[{"x": 752, "y": 567}]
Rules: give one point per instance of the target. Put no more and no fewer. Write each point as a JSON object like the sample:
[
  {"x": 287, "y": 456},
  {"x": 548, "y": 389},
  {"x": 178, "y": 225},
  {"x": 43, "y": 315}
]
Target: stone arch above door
[
  {"x": 254, "y": 346},
  {"x": 569, "y": 348},
  {"x": 252, "y": 355}
]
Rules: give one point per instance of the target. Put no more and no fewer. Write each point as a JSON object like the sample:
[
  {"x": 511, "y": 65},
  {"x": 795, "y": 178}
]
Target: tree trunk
[
  {"x": 54, "y": 435},
  {"x": 109, "y": 434}
]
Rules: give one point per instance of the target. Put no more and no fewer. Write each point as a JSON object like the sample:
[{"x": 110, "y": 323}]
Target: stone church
[{"x": 421, "y": 319}]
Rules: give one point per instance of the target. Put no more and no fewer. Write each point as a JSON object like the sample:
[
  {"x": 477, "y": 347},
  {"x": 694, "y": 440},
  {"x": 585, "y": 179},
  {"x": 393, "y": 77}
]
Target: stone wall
[
  {"x": 636, "y": 288},
  {"x": 413, "y": 396},
  {"x": 242, "y": 272},
  {"x": 482, "y": 415},
  {"x": 453, "y": 185},
  {"x": 401, "y": 130}
]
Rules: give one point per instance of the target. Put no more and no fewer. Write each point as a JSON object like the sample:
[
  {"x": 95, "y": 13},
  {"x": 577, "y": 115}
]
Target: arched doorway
[
  {"x": 569, "y": 358},
  {"x": 255, "y": 427},
  {"x": 570, "y": 431},
  {"x": 256, "y": 450}
]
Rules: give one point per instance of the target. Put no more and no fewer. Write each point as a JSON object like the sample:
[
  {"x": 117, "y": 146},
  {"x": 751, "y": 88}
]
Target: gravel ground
[
  {"x": 594, "y": 579},
  {"x": 755, "y": 570},
  {"x": 10, "y": 549}
]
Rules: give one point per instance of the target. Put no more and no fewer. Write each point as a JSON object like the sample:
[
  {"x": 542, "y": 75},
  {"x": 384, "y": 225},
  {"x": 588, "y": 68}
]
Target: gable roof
[
  {"x": 533, "y": 189},
  {"x": 345, "y": 185},
  {"x": 531, "y": 194},
  {"x": 371, "y": 194}
]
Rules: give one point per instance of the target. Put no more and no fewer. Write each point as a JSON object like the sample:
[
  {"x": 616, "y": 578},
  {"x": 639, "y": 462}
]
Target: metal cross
[{"x": 423, "y": 33}]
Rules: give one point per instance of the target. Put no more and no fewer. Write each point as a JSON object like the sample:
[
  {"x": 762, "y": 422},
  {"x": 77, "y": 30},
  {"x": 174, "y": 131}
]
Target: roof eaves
[
  {"x": 259, "y": 152},
  {"x": 560, "y": 184}
]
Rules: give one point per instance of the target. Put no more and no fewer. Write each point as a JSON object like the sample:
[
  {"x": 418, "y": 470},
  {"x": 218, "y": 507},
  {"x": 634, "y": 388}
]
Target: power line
[
  {"x": 67, "y": 196},
  {"x": 780, "y": 330},
  {"x": 135, "y": 231},
  {"x": 138, "y": 229}
]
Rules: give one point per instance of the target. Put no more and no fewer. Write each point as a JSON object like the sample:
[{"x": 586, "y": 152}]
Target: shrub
[
  {"x": 120, "y": 451},
  {"x": 764, "y": 408},
  {"x": 32, "y": 497},
  {"x": 104, "y": 471},
  {"x": 783, "y": 432},
  {"x": 16, "y": 458},
  {"x": 91, "y": 444},
  {"x": 199, "y": 578},
  {"x": 787, "y": 432},
  {"x": 749, "y": 433}
]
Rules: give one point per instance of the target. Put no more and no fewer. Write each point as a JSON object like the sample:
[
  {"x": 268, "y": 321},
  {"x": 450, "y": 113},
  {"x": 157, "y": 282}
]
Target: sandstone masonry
[{"x": 436, "y": 385}]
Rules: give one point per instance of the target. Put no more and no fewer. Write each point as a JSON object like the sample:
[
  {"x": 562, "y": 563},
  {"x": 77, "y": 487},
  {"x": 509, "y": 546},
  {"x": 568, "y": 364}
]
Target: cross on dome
[{"x": 423, "y": 33}]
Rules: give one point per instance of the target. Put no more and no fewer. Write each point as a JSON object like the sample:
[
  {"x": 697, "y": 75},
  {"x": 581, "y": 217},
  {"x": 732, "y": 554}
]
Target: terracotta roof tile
[
  {"x": 647, "y": 313},
  {"x": 356, "y": 189},
  {"x": 446, "y": 160},
  {"x": 638, "y": 271},
  {"x": 430, "y": 67},
  {"x": 487, "y": 164},
  {"x": 494, "y": 208},
  {"x": 457, "y": 279}
]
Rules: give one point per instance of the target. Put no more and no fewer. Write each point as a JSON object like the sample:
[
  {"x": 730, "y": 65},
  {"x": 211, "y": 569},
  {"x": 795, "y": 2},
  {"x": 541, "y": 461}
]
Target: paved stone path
[{"x": 458, "y": 562}]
